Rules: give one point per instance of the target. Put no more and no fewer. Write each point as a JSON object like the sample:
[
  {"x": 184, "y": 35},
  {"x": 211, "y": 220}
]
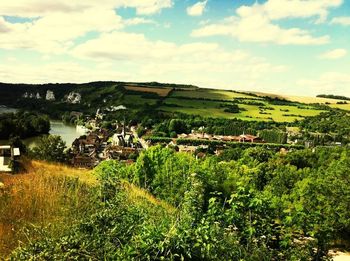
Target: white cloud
[
  {"x": 55, "y": 33},
  {"x": 54, "y": 27},
  {"x": 147, "y": 7},
  {"x": 330, "y": 82},
  {"x": 35, "y": 8},
  {"x": 256, "y": 23},
  {"x": 197, "y": 9},
  {"x": 60, "y": 72},
  {"x": 4, "y": 27},
  {"x": 138, "y": 20},
  {"x": 197, "y": 63},
  {"x": 280, "y": 9},
  {"x": 114, "y": 56},
  {"x": 342, "y": 20},
  {"x": 333, "y": 54}
]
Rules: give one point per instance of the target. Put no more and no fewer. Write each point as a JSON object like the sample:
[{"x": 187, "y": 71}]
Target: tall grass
[{"x": 47, "y": 195}]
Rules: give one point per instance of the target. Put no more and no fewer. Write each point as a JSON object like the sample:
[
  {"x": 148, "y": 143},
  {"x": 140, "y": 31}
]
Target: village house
[
  {"x": 89, "y": 150},
  {"x": 250, "y": 138},
  {"x": 7, "y": 155},
  {"x": 205, "y": 136}
]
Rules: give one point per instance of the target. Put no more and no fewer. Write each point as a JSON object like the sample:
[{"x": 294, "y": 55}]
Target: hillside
[
  {"x": 243, "y": 205},
  {"x": 168, "y": 98},
  {"x": 48, "y": 199}
]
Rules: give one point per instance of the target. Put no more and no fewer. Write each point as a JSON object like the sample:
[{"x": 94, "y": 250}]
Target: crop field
[
  {"x": 300, "y": 99},
  {"x": 205, "y": 108},
  {"x": 341, "y": 106},
  {"x": 162, "y": 92},
  {"x": 209, "y": 94},
  {"x": 131, "y": 99},
  {"x": 279, "y": 113}
]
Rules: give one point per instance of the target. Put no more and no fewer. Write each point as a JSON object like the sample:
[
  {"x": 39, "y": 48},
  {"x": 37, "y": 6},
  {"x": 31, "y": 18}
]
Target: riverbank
[{"x": 68, "y": 132}]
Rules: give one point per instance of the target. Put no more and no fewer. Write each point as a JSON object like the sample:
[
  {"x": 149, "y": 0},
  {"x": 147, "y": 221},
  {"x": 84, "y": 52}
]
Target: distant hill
[{"x": 164, "y": 97}]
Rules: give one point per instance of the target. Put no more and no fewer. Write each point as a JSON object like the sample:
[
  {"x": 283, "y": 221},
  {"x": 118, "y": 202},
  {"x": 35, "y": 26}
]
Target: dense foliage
[
  {"x": 23, "y": 124},
  {"x": 50, "y": 148},
  {"x": 333, "y": 122},
  {"x": 217, "y": 126},
  {"x": 273, "y": 136},
  {"x": 259, "y": 206},
  {"x": 331, "y": 96}
]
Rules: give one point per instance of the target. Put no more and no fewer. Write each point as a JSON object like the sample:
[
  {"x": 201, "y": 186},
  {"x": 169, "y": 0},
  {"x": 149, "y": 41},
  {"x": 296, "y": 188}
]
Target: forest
[{"x": 23, "y": 125}]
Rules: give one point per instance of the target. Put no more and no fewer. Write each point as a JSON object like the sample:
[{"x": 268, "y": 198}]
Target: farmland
[
  {"x": 300, "y": 99},
  {"x": 162, "y": 92},
  {"x": 209, "y": 94},
  {"x": 212, "y": 103},
  {"x": 208, "y": 108},
  {"x": 254, "y": 106}
]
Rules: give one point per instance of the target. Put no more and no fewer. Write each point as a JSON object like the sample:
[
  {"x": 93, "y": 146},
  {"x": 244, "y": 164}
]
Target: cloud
[
  {"x": 4, "y": 28},
  {"x": 333, "y": 54},
  {"x": 281, "y": 9},
  {"x": 60, "y": 72},
  {"x": 342, "y": 20},
  {"x": 56, "y": 26},
  {"x": 197, "y": 9},
  {"x": 138, "y": 21},
  {"x": 147, "y": 7},
  {"x": 329, "y": 82},
  {"x": 197, "y": 63},
  {"x": 256, "y": 23},
  {"x": 35, "y": 8},
  {"x": 124, "y": 56},
  {"x": 56, "y": 33}
]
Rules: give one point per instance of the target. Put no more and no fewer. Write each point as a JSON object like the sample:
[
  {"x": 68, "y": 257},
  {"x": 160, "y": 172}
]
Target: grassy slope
[
  {"x": 113, "y": 93},
  {"x": 301, "y": 99},
  {"x": 209, "y": 94},
  {"x": 47, "y": 195},
  {"x": 54, "y": 196},
  {"x": 207, "y": 108}
]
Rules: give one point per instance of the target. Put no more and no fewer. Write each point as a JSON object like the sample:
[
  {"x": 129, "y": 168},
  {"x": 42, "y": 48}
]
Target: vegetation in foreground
[
  {"x": 45, "y": 196},
  {"x": 249, "y": 204}
]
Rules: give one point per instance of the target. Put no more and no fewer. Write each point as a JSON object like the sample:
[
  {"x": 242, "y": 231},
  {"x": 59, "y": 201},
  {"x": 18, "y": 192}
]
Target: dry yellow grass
[
  {"x": 52, "y": 196},
  {"x": 341, "y": 106},
  {"x": 46, "y": 194},
  {"x": 137, "y": 195},
  {"x": 301, "y": 99},
  {"x": 163, "y": 92}
]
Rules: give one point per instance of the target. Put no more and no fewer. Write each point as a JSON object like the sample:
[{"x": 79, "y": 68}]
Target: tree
[
  {"x": 17, "y": 143},
  {"x": 50, "y": 148},
  {"x": 178, "y": 126}
]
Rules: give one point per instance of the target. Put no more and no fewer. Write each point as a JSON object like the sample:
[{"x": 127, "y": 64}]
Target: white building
[
  {"x": 50, "y": 96},
  {"x": 7, "y": 154}
]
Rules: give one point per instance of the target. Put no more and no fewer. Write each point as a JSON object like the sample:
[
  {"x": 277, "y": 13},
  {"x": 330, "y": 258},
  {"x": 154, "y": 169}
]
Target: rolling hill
[{"x": 171, "y": 98}]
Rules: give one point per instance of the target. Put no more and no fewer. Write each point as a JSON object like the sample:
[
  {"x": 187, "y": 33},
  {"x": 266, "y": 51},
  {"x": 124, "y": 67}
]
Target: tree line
[{"x": 23, "y": 125}]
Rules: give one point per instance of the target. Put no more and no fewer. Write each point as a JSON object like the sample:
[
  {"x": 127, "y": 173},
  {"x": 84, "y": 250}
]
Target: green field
[
  {"x": 137, "y": 100},
  {"x": 209, "y": 94},
  {"x": 205, "y": 108},
  {"x": 341, "y": 106}
]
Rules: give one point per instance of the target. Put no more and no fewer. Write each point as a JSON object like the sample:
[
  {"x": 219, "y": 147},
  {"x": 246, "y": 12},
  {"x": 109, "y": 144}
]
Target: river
[{"x": 68, "y": 132}]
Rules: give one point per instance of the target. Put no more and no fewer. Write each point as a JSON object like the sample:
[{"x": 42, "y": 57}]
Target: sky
[{"x": 299, "y": 47}]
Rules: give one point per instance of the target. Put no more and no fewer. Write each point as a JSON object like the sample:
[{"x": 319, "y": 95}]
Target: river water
[{"x": 68, "y": 132}]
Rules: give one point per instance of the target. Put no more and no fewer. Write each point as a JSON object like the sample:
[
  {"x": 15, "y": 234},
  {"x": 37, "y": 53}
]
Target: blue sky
[{"x": 296, "y": 47}]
